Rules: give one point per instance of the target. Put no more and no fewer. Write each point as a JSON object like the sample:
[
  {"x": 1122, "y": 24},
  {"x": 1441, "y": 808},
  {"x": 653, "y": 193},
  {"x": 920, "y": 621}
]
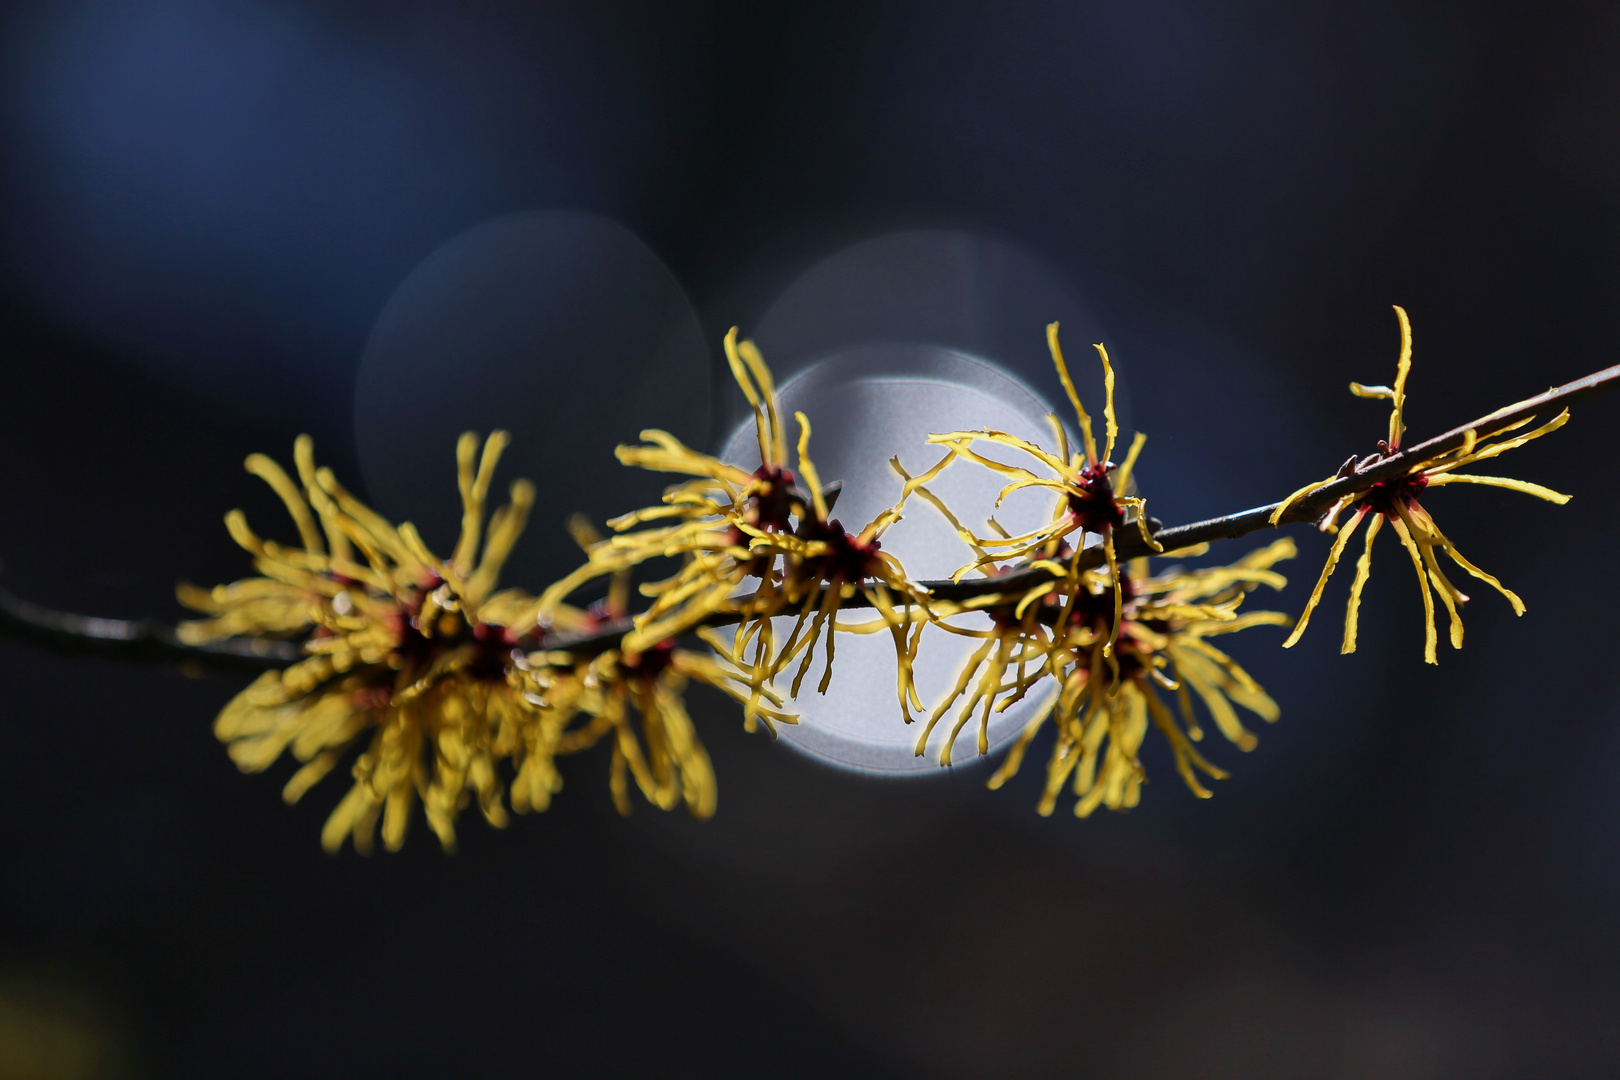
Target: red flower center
[
  {"x": 770, "y": 507},
  {"x": 648, "y": 664},
  {"x": 848, "y": 558},
  {"x": 1091, "y": 501},
  {"x": 1386, "y": 496}
]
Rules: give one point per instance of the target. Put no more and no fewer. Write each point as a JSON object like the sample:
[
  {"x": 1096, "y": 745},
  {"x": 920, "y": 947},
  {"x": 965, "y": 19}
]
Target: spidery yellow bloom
[
  {"x": 444, "y": 674},
  {"x": 404, "y": 646},
  {"x": 772, "y": 527},
  {"x": 1017, "y": 639},
  {"x": 664, "y": 756},
  {"x": 1102, "y": 710},
  {"x": 634, "y": 701},
  {"x": 1085, "y": 484},
  {"x": 821, "y": 566},
  {"x": 1396, "y": 500}
]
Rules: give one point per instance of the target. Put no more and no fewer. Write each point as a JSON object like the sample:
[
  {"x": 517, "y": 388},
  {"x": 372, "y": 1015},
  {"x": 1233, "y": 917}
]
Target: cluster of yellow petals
[
  {"x": 728, "y": 526},
  {"x": 1102, "y": 704},
  {"x": 1396, "y": 501},
  {"x": 422, "y": 655},
  {"x": 1109, "y": 638},
  {"x": 1085, "y": 483}
]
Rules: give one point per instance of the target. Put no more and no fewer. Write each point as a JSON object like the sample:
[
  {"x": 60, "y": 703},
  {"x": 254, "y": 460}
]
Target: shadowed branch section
[{"x": 134, "y": 639}]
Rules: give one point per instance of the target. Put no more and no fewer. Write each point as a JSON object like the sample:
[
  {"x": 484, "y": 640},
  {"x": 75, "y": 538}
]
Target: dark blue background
[{"x": 206, "y": 206}]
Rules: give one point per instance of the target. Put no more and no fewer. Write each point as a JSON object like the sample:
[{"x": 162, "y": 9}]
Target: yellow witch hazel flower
[
  {"x": 402, "y": 644},
  {"x": 1104, "y": 705},
  {"x": 1396, "y": 500},
  {"x": 666, "y": 759},
  {"x": 772, "y": 525},
  {"x": 1086, "y": 485},
  {"x": 445, "y": 674},
  {"x": 1022, "y": 637}
]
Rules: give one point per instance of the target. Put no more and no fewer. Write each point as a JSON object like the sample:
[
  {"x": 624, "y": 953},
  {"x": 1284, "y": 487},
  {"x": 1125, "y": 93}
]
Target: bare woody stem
[
  {"x": 134, "y": 639},
  {"x": 144, "y": 640}
]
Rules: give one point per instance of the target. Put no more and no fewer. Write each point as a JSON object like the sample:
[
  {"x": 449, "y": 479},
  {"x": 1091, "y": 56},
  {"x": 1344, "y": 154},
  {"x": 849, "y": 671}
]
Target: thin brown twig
[
  {"x": 134, "y": 639},
  {"x": 146, "y": 640}
]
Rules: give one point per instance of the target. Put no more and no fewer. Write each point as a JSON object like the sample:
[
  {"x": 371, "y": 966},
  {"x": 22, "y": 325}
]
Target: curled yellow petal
[
  {"x": 1334, "y": 552},
  {"x": 1363, "y": 572}
]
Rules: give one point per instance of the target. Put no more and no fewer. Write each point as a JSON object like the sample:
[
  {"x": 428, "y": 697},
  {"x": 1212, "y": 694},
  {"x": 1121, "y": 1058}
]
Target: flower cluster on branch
[
  {"x": 443, "y": 690},
  {"x": 438, "y": 676}
]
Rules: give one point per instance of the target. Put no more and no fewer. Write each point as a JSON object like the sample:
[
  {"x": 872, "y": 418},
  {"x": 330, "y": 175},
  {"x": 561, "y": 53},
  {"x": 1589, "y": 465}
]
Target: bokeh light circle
[{"x": 560, "y": 326}]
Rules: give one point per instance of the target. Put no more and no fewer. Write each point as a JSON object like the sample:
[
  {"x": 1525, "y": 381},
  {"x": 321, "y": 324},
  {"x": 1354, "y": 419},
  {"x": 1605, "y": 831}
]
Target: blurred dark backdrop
[{"x": 207, "y": 206}]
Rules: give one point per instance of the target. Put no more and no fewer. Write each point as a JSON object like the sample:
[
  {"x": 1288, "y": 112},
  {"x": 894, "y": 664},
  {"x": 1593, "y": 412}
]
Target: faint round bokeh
[
  {"x": 559, "y": 326},
  {"x": 973, "y": 290},
  {"x": 866, "y": 405}
]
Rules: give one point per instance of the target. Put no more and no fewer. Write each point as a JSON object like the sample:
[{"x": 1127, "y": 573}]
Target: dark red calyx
[
  {"x": 770, "y": 507},
  {"x": 847, "y": 557},
  {"x": 1095, "y": 610},
  {"x": 651, "y": 662},
  {"x": 1091, "y": 501},
  {"x": 491, "y": 646},
  {"x": 490, "y": 634},
  {"x": 1386, "y": 496}
]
